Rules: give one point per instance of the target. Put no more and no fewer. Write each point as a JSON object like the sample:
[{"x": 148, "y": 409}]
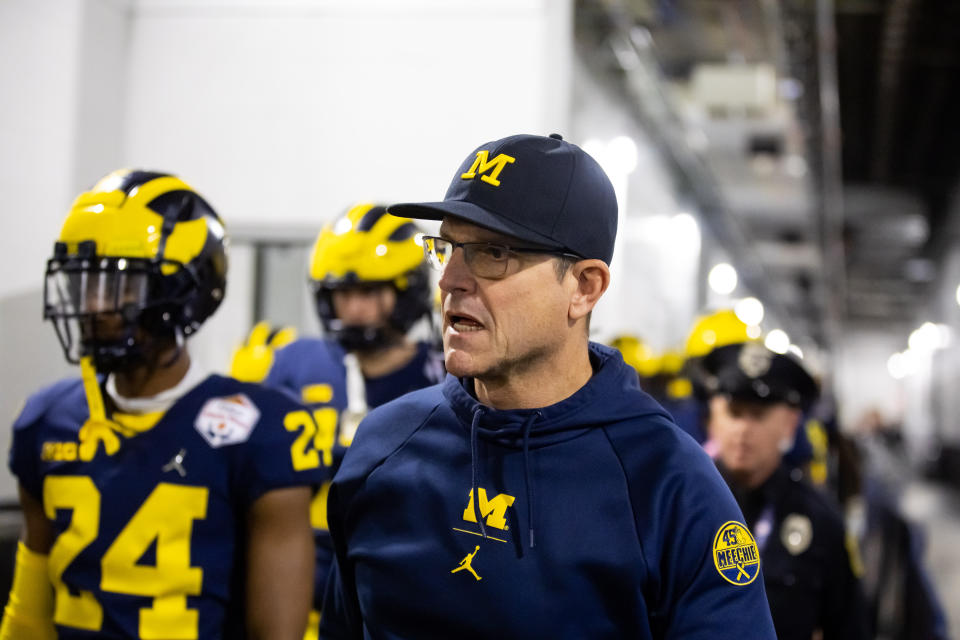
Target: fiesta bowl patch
[
  {"x": 735, "y": 554},
  {"x": 227, "y": 420}
]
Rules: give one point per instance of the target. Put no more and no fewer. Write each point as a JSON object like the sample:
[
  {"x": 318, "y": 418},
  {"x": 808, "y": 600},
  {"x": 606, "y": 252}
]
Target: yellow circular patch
[{"x": 735, "y": 554}]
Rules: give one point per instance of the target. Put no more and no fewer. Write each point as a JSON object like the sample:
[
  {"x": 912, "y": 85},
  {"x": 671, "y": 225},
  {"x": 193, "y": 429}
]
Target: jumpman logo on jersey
[
  {"x": 176, "y": 463},
  {"x": 466, "y": 562}
]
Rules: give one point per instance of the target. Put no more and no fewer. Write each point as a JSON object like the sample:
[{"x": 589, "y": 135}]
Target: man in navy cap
[
  {"x": 756, "y": 401},
  {"x": 578, "y": 506}
]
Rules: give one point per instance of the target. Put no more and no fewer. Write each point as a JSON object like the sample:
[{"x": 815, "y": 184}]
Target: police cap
[{"x": 751, "y": 372}]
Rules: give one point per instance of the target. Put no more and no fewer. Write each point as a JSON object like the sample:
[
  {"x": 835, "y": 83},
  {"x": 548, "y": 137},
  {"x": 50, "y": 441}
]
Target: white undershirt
[{"x": 161, "y": 401}]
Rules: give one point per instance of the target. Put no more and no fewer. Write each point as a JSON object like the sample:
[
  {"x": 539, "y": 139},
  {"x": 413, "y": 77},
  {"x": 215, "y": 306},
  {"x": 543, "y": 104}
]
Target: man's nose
[{"x": 456, "y": 274}]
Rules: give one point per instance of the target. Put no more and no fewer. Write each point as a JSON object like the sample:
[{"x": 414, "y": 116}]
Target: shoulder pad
[
  {"x": 40, "y": 402},
  {"x": 316, "y": 352}
]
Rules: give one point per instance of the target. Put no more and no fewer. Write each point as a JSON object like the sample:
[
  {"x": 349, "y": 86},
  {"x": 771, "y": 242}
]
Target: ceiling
[{"x": 827, "y": 172}]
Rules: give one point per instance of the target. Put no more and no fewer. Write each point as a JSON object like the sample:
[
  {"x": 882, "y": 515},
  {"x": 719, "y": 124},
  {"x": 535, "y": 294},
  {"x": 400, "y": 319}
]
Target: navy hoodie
[{"x": 597, "y": 518}]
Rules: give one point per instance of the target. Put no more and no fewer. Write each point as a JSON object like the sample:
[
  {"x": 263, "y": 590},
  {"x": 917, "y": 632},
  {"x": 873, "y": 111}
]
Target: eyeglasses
[{"x": 484, "y": 259}]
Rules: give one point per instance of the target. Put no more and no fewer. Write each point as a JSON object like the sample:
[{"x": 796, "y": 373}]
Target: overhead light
[
  {"x": 795, "y": 350},
  {"x": 930, "y": 337},
  {"x": 958, "y": 294},
  {"x": 901, "y": 365},
  {"x": 777, "y": 341},
  {"x": 722, "y": 278},
  {"x": 749, "y": 310},
  {"x": 896, "y": 366}
]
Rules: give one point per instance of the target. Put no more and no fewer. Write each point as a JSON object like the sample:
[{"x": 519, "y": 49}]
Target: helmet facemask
[
  {"x": 108, "y": 308},
  {"x": 356, "y": 337}
]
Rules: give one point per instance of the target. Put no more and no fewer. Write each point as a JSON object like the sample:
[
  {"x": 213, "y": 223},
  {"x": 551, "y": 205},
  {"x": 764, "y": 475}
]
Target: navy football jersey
[
  {"x": 150, "y": 540},
  {"x": 313, "y": 370}
]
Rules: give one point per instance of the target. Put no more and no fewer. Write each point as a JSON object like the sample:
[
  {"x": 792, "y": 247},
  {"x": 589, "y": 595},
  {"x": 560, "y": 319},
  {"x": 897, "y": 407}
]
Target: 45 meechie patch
[{"x": 735, "y": 554}]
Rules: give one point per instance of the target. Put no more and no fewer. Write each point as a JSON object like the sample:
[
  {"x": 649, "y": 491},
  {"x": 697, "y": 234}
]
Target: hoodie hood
[
  {"x": 613, "y": 388},
  {"x": 612, "y": 394}
]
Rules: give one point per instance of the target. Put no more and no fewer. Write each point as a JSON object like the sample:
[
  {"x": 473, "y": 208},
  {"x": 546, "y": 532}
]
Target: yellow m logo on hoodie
[{"x": 494, "y": 511}]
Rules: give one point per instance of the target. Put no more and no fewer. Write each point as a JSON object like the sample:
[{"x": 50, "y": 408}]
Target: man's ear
[{"x": 592, "y": 278}]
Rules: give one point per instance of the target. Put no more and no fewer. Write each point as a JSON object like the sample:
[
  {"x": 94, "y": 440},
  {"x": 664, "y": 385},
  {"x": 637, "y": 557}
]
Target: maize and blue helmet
[
  {"x": 368, "y": 248},
  {"x": 141, "y": 253}
]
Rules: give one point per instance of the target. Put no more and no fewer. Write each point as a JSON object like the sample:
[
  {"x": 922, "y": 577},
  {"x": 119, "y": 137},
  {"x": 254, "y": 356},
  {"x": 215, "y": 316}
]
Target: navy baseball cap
[
  {"x": 751, "y": 372},
  {"x": 540, "y": 189}
]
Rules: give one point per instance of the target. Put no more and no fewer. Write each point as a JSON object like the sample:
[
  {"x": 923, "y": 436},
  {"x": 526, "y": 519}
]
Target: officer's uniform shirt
[
  {"x": 150, "y": 539},
  {"x": 807, "y": 569}
]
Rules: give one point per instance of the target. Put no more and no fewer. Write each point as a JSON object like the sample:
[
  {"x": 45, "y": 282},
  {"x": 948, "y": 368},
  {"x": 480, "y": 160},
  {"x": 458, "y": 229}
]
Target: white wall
[
  {"x": 99, "y": 110},
  {"x": 281, "y": 112},
  {"x": 290, "y": 111},
  {"x": 39, "y": 42}
]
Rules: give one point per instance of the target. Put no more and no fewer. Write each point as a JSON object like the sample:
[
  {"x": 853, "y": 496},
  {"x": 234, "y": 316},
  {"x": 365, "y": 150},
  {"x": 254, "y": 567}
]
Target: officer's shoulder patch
[
  {"x": 735, "y": 554},
  {"x": 227, "y": 419}
]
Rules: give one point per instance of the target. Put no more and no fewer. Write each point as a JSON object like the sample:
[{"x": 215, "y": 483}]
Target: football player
[
  {"x": 159, "y": 502},
  {"x": 371, "y": 284}
]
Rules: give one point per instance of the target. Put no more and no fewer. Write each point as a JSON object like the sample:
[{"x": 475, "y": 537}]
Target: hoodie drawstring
[
  {"x": 474, "y": 471},
  {"x": 527, "y": 425}
]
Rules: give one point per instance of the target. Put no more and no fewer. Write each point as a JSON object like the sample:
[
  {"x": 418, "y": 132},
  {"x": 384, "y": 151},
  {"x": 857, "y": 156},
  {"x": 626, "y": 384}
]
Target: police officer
[{"x": 756, "y": 399}]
